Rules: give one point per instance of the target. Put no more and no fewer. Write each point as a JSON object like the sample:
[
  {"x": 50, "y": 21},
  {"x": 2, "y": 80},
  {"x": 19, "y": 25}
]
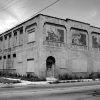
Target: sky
[{"x": 13, "y": 12}]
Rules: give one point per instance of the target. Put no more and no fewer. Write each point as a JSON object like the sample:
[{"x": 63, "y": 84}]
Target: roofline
[
  {"x": 46, "y": 16},
  {"x": 53, "y": 17},
  {"x": 77, "y": 21},
  {"x": 27, "y": 21},
  {"x": 20, "y": 24},
  {"x": 95, "y": 27}
]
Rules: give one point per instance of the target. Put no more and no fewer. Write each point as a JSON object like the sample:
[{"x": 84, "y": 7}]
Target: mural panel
[
  {"x": 78, "y": 37},
  {"x": 54, "y": 33},
  {"x": 95, "y": 40}
]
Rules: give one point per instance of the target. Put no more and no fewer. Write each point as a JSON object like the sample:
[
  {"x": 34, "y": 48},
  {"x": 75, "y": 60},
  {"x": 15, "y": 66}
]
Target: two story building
[{"x": 47, "y": 46}]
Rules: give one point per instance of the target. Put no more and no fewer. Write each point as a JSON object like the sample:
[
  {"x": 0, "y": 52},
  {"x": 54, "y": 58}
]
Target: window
[
  {"x": 21, "y": 31},
  {"x": 31, "y": 35},
  {"x": 14, "y": 55},
  {"x": 30, "y": 59},
  {"x": 15, "y": 33},
  {"x": 5, "y": 37},
  {"x": 8, "y": 56},
  {"x": 9, "y": 35},
  {"x": 4, "y": 57},
  {"x": 54, "y": 33},
  {"x": 78, "y": 37},
  {"x": 1, "y": 39},
  {"x": 15, "y": 38},
  {"x": 95, "y": 40},
  {"x": 30, "y": 30},
  {"x": 20, "y": 36},
  {"x": 61, "y": 35},
  {"x": 0, "y": 57}
]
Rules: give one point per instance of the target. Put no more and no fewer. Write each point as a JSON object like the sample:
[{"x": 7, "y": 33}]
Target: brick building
[{"x": 48, "y": 46}]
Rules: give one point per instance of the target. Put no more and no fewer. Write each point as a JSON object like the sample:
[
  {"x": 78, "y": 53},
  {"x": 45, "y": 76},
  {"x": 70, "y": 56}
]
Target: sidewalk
[
  {"x": 69, "y": 83},
  {"x": 22, "y": 83}
]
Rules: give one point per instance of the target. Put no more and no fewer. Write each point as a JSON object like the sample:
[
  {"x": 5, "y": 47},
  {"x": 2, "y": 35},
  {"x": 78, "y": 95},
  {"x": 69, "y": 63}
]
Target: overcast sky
[{"x": 13, "y": 12}]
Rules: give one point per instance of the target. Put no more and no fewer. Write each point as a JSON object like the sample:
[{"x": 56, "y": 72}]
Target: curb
[
  {"x": 11, "y": 85},
  {"x": 71, "y": 81},
  {"x": 80, "y": 80}
]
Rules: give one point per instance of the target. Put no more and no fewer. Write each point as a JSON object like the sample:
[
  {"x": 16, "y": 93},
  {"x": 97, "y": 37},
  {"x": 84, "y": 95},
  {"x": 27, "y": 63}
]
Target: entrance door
[{"x": 50, "y": 66}]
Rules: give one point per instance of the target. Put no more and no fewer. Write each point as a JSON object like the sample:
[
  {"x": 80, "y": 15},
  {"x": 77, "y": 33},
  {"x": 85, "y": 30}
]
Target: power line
[
  {"x": 46, "y": 7},
  {"x": 9, "y": 5},
  {"x": 16, "y": 1}
]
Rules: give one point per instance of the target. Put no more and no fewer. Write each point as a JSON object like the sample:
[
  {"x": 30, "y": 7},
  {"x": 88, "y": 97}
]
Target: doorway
[{"x": 50, "y": 66}]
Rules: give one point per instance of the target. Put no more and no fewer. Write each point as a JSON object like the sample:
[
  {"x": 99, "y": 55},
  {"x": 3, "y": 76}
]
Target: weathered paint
[{"x": 31, "y": 56}]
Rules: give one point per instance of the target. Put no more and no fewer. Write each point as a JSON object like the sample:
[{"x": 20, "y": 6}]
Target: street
[
  {"x": 54, "y": 97},
  {"x": 48, "y": 95},
  {"x": 60, "y": 92}
]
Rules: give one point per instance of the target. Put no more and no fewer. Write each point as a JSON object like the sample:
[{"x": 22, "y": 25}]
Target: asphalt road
[
  {"x": 78, "y": 96},
  {"x": 72, "y": 91},
  {"x": 50, "y": 86}
]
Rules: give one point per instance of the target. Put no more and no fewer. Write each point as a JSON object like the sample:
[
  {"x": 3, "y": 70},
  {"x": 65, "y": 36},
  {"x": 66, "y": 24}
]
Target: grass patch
[{"x": 5, "y": 80}]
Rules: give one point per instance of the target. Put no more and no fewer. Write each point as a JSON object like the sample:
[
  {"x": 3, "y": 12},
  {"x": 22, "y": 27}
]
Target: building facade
[{"x": 47, "y": 46}]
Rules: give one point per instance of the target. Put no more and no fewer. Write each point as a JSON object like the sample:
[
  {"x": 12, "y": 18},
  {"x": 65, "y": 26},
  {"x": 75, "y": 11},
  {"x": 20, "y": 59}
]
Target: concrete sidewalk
[{"x": 46, "y": 84}]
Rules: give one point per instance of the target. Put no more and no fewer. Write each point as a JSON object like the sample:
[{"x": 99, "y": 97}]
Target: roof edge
[{"x": 77, "y": 21}]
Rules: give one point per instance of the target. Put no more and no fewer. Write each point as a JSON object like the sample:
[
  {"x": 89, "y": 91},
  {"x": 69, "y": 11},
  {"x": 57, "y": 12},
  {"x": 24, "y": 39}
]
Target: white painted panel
[
  {"x": 79, "y": 65},
  {"x": 30, "y": 66}
]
